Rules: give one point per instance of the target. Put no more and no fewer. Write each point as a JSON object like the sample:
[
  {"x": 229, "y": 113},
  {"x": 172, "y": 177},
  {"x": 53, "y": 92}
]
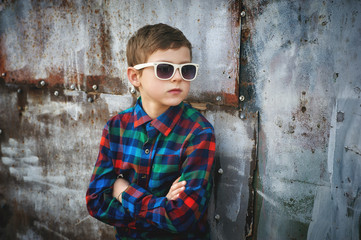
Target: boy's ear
[{"x": 133, "y": 76}]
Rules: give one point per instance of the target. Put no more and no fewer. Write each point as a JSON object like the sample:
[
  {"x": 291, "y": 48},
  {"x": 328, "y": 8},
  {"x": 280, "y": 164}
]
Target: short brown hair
[{"x": 151, "y": 38}]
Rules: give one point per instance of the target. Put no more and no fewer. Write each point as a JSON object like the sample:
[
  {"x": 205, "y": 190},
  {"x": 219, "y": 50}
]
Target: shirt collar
[{"x": 164, "y": 123}]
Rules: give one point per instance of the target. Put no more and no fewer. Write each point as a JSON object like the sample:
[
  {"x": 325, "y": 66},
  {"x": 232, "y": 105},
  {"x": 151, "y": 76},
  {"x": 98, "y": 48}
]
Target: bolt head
[
  {"x": 56, "y": 93},
  {"x": 241, "y": 98},
  {"x": 42, "y": 83},
  {"x": 220, "y": 171},
  {"x": 243, "y": 14},
  {"x": 218, "y": 98},
  {"x": 95, "y": 87},
  {"x": 217, "y": 217}
]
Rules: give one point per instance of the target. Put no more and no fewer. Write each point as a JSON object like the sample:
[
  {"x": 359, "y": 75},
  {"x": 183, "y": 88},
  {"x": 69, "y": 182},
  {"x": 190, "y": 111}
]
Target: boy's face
[{"x": 161, "y": 94}]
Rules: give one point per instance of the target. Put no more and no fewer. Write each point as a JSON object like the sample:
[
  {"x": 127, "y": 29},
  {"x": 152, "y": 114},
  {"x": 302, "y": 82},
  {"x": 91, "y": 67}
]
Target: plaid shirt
[{"x": 150, "y": 155}]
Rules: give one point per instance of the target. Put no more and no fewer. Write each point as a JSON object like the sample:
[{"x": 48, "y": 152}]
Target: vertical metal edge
[{"x": 251, "y": 209}]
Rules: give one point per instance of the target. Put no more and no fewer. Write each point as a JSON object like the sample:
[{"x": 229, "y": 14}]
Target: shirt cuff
[{"x": 132, "y": 199}]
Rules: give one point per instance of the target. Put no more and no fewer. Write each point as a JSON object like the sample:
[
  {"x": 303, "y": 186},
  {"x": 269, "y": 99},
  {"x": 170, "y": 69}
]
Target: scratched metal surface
[
  {"x": 303, "y": 58},
  {"x": 299, "y": 73},
  {"x": 81, "y": 44},
  {"x": 51, "y": 117}
]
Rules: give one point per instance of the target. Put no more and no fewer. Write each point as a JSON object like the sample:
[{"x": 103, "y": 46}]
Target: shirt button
[{"x": 146, "y": 151}]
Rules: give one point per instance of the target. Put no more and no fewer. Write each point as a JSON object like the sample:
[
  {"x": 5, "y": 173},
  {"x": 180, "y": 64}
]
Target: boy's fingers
[
  {"x": 178, "y": 185},
  {"x": 175, "y": 189},
  {"x": 176, "y": 181}
]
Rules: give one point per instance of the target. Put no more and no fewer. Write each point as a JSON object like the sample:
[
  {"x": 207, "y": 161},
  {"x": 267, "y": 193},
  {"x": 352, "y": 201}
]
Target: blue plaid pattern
[{"x": 151, "y": 154}]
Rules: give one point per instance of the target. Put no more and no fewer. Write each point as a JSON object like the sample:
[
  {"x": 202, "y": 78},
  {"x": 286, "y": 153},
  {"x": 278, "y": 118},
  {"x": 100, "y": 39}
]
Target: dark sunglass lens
[
  {"x": 189, "y": 72},
  {"x": 164, "y": 71}
]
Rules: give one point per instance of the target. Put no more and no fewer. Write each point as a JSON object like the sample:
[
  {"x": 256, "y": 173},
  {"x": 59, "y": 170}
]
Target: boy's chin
[{"x": 174, "y": 102}]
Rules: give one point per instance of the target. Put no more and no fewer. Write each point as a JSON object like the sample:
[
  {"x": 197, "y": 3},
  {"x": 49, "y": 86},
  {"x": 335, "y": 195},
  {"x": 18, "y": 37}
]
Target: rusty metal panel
[
  {"x": 76, "y": 45},
  {"x": 301, "y": 62},
  {"x": 62, "y": 66}
]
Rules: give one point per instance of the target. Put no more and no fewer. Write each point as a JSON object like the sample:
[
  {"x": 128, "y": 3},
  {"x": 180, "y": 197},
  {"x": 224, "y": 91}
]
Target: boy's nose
[{"x": 177, "y": 76}]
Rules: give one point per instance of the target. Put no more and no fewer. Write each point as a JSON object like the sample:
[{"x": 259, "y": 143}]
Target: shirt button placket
[{"x": 142, "y": 181}]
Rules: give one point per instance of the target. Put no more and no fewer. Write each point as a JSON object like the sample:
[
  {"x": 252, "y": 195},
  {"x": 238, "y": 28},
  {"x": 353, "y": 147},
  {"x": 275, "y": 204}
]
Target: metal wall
[
  {"x": 303, "y": 58},
  {"x": 279, "y": 80},
  {"x": 63, "y": 69}
]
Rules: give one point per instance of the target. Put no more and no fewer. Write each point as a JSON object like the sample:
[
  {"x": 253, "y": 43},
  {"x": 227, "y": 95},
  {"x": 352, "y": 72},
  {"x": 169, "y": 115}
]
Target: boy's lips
[{"x": 175, "y": 90}]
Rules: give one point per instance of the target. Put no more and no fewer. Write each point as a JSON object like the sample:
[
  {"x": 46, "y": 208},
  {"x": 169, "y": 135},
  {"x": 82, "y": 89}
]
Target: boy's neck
[{"x": 154, "y": 110}]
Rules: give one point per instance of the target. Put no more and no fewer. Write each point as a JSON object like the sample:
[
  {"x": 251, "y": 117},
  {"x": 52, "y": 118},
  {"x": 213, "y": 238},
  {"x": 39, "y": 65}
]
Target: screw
[
  {"x": 218, "y": 98},
  {"x": 217, "y": 217},
  {"x": 241, "y": 98},
  {"x": 243, "y": 14},
  {"x": 72, "y": 87},
  {"x": 220, "y": 171},
  {"x": 56, "y": 93},
  {"x": 95, "y": 87},
  {"x": 90, "y": 99},
  {"x": 42, "y": 83}
]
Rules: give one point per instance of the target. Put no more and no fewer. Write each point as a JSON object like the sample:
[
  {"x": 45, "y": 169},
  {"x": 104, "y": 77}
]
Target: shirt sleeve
[
  {"x": 181, "y": 214},
  {"x": 99, "y": 198}
]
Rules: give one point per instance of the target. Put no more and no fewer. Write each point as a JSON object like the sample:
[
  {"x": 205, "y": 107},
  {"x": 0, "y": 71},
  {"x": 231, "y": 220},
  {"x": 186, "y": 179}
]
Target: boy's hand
[
  {"x": 175, "y": 189},
  {"x": 120, "y": 185}
]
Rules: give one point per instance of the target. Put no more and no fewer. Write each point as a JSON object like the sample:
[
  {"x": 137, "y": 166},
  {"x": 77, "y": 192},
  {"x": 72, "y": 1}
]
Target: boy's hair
[{"x": 151, "y": 38}]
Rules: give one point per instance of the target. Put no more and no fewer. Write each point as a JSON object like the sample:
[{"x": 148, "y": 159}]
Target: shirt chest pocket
[{"x": 165, "y": 169}]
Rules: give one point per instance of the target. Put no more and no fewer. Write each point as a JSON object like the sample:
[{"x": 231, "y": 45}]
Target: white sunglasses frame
[{"x": 175, "y": 66}]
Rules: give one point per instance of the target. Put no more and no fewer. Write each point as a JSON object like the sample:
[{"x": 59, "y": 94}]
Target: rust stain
[
  {"x": 231, "y": 99},
  {"x": 235, "y": 10},
  {"x": 105, "y": 84},
  {"x": 308, "y": 125},
  {"x": 245, "y": 34}
]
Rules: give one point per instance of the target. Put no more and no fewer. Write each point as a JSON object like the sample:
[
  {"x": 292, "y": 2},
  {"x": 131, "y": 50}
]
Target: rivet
[
  {"x": 243, "y": 116},
  {"x": 3, "y": 74},
  {"x": 220, "y": 171},
  {"x": 95, "y": 87},
  {"x": 56, "y": 93},
  {"x": 42, "y": 83},
  {"x": 72, "y": 87},
  {"x": 90, "y": 99},
  {"x": 241, "y": 98},
  {"x": 243, "y": 14},
  {"x": 217, "y": 217},
  {"x": 218, "y": 98}
]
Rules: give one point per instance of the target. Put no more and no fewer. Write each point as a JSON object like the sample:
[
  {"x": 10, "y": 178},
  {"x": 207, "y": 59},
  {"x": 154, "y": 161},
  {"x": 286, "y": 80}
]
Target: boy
[{"x": 152, "y": 178}]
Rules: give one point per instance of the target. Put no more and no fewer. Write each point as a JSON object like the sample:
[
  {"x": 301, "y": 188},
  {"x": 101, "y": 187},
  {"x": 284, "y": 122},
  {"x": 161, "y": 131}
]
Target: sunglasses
[{"x": 165, "y": 70}]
